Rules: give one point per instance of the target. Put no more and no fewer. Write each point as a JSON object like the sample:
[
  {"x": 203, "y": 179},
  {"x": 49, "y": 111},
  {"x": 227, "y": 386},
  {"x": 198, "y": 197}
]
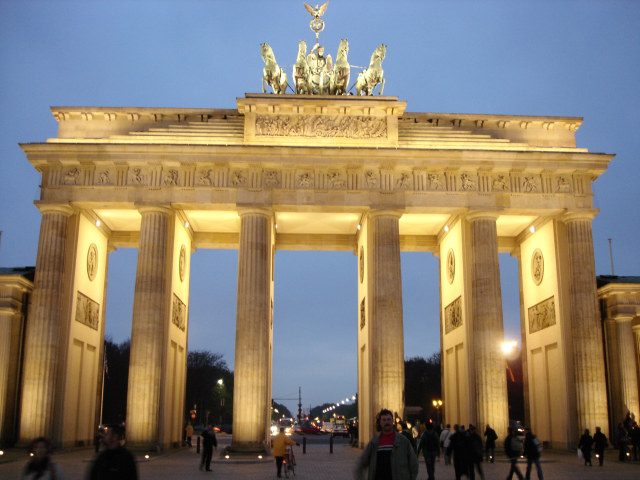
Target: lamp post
[{"x": 437, "y": 403}]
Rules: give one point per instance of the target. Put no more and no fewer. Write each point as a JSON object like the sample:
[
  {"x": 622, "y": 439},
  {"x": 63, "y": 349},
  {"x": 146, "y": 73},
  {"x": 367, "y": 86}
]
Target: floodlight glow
[
  {"x": 507, "y": 347},
  {"x": 532, "y": 229},
  {"x": 98, "y": 223}
]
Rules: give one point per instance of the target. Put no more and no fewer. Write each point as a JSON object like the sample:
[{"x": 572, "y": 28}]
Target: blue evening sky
[{"x": 565, "y": 58}]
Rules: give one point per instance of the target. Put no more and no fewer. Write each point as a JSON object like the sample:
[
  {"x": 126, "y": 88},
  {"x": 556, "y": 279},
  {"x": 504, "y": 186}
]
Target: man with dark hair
[
  {"x": 599, "y": 444},
  {"x": 513, "y": 449},
  {"x": 208, "y": 442},
  {"x": 388, "y": 455},
  {"x": 116, "y": 462},
  {"x": 430, "y": 448}
]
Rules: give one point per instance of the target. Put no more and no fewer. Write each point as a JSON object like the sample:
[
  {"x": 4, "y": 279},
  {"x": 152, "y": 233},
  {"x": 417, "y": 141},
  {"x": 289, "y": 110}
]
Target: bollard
[
  {"x": 304, "y": 445},
  {"x": 198, "y": 447},
  {"x": 331, "y": 443}
]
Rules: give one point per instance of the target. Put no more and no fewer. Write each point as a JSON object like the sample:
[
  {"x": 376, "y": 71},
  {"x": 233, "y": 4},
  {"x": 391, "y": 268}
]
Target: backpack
[
  {"x": 515, "y": 445},
  {"x": 538, "y": 444},
  {"x": 432, "y": 442}
]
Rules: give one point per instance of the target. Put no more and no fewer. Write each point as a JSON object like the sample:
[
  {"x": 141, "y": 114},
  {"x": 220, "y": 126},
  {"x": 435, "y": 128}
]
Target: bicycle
[{"x": 289, "y": 462}]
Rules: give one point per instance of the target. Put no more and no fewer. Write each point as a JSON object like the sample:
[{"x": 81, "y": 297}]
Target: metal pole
[
  {"x": 331, "y": 443},
  {"x": 611, "y": 256},
  {"x": 304, "y": 445}
]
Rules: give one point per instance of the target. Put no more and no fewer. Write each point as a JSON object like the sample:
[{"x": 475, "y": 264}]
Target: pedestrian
[
  {"x": 513, "y": 449},
  {"x": 599, "y": 444},
  {"x": 445, "y": 440},
  {"x": 404, "y": 430},
  {"x": 475, "y": 453},
  {"x": 430, "y": 448},
  {"x": 532, "y": 450},
  {"x": 115, "y": 462},
  {"x": 189, "y": 433},
  {"x": 490, "y": 443},
  {"x": 621, "y": 442},
  {"x": 40, "y": 465},
  {"x": 460, "y": 451},
  {"x": 279, "y": 448},
  {"x": 586, "y": 441},
  {"x": 634, "y": 437},
  {"x": 209, "y": 441},
  {"x": 388, "y": 455}
]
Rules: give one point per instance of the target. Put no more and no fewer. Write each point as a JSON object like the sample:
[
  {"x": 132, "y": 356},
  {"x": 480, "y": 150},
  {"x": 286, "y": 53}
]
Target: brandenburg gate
[{"x": 314, "y": 172}]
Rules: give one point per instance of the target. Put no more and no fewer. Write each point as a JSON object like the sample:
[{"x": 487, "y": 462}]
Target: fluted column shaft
[
  {"x": 150, "y": 314},
  {"x": 385, "y": 312},
  {"x": 627, "y": 365},
  {"x": 487, "y": 327},
  {"x": 586, "y": 331},
  {"x": 42, "y": 337},
  {"x": 252, "y": 357}
]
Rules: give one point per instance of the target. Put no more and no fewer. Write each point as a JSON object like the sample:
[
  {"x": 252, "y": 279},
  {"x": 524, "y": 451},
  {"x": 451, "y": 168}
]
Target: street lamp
[{"x": 437, "y": 403}]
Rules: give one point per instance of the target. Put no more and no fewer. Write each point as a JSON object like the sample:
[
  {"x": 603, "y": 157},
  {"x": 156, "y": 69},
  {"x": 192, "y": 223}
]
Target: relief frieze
[
  {"x": 171, "y": 178},
  {"x": 72, "y": 177},
  {"x": 453, "y": 315},
  {"x": 321, "y": 126},
  {"x": 137, "y": 176},
  {"x": 271, "y": 179},
  {"x": 435, "y": 181},
  {"x": 499, "y": 183},
  {"x": 87, "y": 311},
  {"x": 103, "y": 177},
  {"x": 178, "y": 313},
  {"x": 542, "y": 315},
  {"x": 468, "y": 182}
]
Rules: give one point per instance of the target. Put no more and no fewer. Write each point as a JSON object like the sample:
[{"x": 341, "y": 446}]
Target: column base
[{"x": 249, "y": 448}]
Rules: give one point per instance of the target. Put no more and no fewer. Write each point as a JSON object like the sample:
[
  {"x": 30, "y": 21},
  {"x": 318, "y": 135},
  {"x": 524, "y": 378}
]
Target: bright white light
[
  {"x": 446, "y": 228},
  {"x": 358, "y": 226},
  {"x": 507, "y": 347},
  {"x": 276, "y": 226},
  {"x": 146, "y": 457},
  {"x": 227, "y": 457},
  {"x": 260, "y": 457},
  {"x": 220, "y": 382},
  {"x": 186, "y": 224},
  {"x": 98, "y": 223},
  {"x": 532, "y": 229}
]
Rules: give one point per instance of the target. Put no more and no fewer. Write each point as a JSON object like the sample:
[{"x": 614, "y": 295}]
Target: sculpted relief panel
[
  {"x": 87, "y": 311},
  {"x": 321, "y": 126},
  {"x": 178, "y": 313},
  {"x": 542, "y": 315},
  {"x": 453, "y": 315}
]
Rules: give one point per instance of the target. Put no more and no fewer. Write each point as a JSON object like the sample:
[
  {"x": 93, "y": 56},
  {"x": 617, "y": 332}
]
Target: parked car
[
  {"x": 327, "y": 427},
  {"x": 309, "y": 428},
  {"x": 340, "y": 430}
]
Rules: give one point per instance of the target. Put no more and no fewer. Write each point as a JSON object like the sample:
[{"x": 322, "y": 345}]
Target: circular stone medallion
[
  {"x": 92, "y": 261},
  {"x": 182, "y": 261},
  {"x": 451, "y": 265},
  {"x": 537, "y": 266}
]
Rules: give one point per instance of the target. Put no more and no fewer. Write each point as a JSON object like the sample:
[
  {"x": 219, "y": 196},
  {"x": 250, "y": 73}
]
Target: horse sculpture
[
  {"x": 273, "y": 75},
  {"x": 301, "y": 70},
  {"x": 372, "y": 76},
  {"x": 341, "y": 70}
]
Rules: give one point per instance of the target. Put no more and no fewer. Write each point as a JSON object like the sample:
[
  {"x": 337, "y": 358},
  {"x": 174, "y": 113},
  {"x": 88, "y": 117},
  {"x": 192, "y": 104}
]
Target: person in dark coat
[
  {"x": 475, "y": 453},
  {"x": 513, "y": 449},
  {"x": 490, "y": 443},
  {"x": 116, "y": 462},
  {"x": 208, "y": 442},
  {"x": 586, "y": 441},
  {"x": 459, "y": 448},
  {"x": 532, "y": 449},
  {"x": 430, "y": 448},
  {"x": 599, "y": 444},
  {"x": 621, "y": 442},
  {"x": 634, "y": 436}
]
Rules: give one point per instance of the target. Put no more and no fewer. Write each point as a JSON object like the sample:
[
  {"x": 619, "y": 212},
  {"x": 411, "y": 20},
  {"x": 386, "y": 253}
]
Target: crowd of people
[{"x": 626, "y": 439}]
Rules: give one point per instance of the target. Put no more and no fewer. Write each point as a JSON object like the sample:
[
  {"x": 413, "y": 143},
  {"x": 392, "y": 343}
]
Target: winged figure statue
[{"x": 316, "y": 12}]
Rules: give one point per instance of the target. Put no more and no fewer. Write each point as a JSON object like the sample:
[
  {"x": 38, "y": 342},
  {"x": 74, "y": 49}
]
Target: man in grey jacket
[{"x": 388, "y": 456}]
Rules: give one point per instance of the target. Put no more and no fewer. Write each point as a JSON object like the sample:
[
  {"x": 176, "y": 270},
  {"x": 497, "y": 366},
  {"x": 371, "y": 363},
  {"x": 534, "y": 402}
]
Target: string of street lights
[{"x": 339, "y": 404}]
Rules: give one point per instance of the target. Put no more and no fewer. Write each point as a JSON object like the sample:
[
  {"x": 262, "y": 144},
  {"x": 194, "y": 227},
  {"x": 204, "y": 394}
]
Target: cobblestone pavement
[{"x": 317, "y": 463}]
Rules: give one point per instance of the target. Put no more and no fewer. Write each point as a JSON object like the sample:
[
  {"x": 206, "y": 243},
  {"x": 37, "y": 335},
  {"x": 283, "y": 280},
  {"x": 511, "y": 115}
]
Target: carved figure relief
[
  {"x": 87, "y": 311},
  {"x": 104, "y": 178},
  {"x": 451, "y": 265},
  {"x": 204, "y": 178},
  {"x": 537, "y": 266},
  {"x": 72, "y": 177},
  {"x": 371, "y": 178},
  {"x": 178, "y": 313},
  {"x": 435, "y": 181},
  {"x": 305, "y": 180},
  {"x": 336, "y": 180},
  {"x": 321, "y": 126},
  {"x": 563, "y": 185},
  {"x": 171, "y": 177},
  {"x": 182, "y": 262},
  {"x": 499, "y": 183},
  {"x": 92, "y": 261},
  {"x": 467, "y": 182},
  {"x": 238, "y": 178},
  {"x": 271, "y": 178},
  {"x": 136, "y": 176},
  {"x": 530, "y": 184},
  {"x": 362, "y": 313},
  {"x": 361, "y": 264},
  {"x": 453, "y": 315},
  {"x": 542, "y": 315},
  {"x": 403, "y": 181}
]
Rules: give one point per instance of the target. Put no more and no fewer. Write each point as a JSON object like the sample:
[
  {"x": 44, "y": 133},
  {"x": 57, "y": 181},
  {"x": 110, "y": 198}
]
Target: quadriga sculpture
[
  {"x": 373, "y": 75},
  {"x": 272, "y": 75},
  {"x": 341, "y": 70}
]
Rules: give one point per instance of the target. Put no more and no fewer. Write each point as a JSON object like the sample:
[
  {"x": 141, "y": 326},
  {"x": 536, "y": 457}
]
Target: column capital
[
  {"x": 164, "y": 209},
  {"x": 481, "y": 214},
  {"x": 63, "y": 208},
  {"x": 385, "y": 213},
  {"x": 576, "y": 215},
  {"x": 265, "y": 212}
]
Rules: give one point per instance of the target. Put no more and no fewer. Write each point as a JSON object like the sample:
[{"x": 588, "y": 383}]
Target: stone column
[
  {"x": 627, "y": 366},
  {"x": 43, "y": 332},
  {"x": 150, "y": 316},
  {"x": 251, "y": 400},
  {"x": 486, "y": 323},
  {"x": 385, "y": 312},
  {"x": 586, "y": 330}
]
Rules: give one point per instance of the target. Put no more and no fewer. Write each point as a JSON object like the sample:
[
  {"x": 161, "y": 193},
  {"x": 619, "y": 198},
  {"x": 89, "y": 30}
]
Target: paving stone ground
[{"x": 317, "y": 463}]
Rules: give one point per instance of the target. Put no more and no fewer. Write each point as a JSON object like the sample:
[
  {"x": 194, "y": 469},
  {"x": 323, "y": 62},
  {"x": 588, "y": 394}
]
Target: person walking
[
  {"x": 430, "y": 448},
  {"x": 460, "y": 451},
  {"x": 115, "y": 462},
  {"x": 621, "y": 442},
  {"x": 490, "y": 443},
  {"x": 279, "y": 448},
  {"x": 40, "y": 465},
  {"x": 599, "y": 444},
  {"x": 634, "y": 438},
  {"x": 475, "y": 453},
  {"x": 404, "y": 430},
  {"x": 188, "y": 430},
  {"x": 209, "y": 441},
  {"x": 532, "y": 450},
  {"x": 513, "y": 449},
  {"x": 388, "y": 455},
  {"x": 445, "y": 440},
  {"x": 585, "y": 444}
]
